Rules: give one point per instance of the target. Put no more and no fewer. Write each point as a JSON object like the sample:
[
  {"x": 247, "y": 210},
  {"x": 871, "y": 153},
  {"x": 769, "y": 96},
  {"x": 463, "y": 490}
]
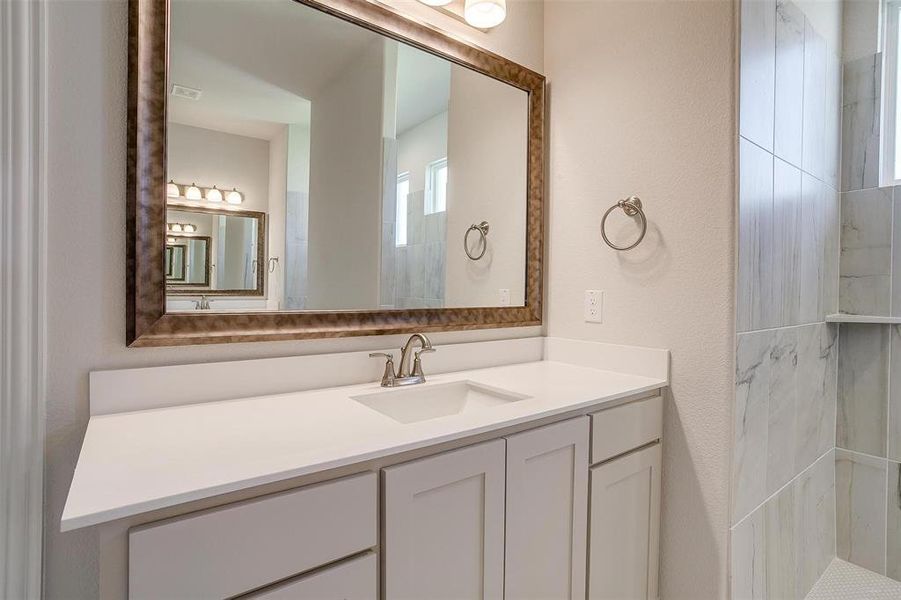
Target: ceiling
[
  {"x": 423, "y": 86},
  {"x": 255, "y": 62}
]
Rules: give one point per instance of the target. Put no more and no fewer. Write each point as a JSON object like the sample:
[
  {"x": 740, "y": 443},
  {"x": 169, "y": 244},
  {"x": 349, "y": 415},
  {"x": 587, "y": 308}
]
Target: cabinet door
[
  {"x": 547, "y": 512},
  {"x": 625, "y": 526},
  {"x": 444, "y": 526}
]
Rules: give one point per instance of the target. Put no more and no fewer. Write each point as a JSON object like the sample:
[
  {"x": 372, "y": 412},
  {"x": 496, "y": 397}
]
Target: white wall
[
  {"x": 222, "y": 159},
  {"x": 487, "y": 164},
  {"x": 345, "y": 187},
  {"x": 419, "y": 146},
  {"x": 642, "y": 101},
  {"x": 86, "y": 298}
]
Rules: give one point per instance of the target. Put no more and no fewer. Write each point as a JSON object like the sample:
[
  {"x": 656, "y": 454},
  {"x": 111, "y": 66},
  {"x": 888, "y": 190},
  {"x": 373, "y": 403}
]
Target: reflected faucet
[
  {"x": 404, "y": 376},
  {"x": 202, "y": 304}
]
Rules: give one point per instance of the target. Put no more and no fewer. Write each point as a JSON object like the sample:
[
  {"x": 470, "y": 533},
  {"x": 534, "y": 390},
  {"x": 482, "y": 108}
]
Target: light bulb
[
  {"x": 234, "y": 197},
  {"x": 170, "y": 240},
  {"x": 213, "y": 195},
  {"x": 172, "y": 190},
  {"x": 188, "y": 228},
  {"x": 485, "y": 14},
  {"x": 176, "y": 227},
  {"x": 193, "y": 193}
]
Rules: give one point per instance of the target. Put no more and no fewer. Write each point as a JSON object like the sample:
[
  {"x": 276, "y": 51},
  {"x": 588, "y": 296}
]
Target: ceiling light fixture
[
  {"x": 234, "y": 197},
  {"x": 485, "y": 14}
]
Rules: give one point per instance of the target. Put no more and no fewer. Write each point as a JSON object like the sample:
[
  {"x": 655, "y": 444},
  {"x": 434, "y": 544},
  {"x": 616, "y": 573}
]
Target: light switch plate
[{"x": 594, "y": 306}]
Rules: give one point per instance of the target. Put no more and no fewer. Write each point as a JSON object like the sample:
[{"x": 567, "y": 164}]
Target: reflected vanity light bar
[
  {"x": 211, "y": 194},
  {"x": 193, "y": 193},
  {"x": 481, "y": 14},
  {"x": 234, "y": 197},
  {"x": 485, "y": 14},
  {"x": 181, "y": 227}
]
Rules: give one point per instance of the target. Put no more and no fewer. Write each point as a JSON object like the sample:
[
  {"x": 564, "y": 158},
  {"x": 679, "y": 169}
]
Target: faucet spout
[{"x": 406, "y": 353}]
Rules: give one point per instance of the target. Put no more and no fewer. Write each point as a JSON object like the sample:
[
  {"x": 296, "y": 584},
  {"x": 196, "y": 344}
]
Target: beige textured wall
[
  {"x": 642, "y": 102},
  {"x": 86, "y": 303}
]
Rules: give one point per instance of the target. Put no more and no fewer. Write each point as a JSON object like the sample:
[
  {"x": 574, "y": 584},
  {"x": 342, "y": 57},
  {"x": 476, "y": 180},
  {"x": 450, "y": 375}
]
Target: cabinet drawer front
[
  {"x": 231, "y": 550},
  {"x": 623, "y": 428},
  {"x": 353, "y": 579}
]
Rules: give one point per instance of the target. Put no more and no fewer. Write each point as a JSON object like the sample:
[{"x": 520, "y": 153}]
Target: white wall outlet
[
  {"x": 504, "y": 294},
  {"x": 594, "y": 306}
]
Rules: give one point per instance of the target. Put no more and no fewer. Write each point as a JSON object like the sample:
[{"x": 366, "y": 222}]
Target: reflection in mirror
[
  {"x": 371, "y": 160},
  {"x": 220, "y": 254}
]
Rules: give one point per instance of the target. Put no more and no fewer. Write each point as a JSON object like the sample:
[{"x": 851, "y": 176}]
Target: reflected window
[
  {"x": 436, "y": 187},
  {"x": 400, "y": 223}
]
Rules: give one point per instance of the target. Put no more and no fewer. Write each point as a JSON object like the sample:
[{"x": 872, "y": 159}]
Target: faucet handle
[
  {"x": 417, "y": 362},
  {"x": 388, "y": 376}
]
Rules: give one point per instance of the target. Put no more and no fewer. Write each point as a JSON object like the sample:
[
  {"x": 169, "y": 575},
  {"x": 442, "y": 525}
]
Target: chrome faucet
[
  {"x": 202, "y": 304},
  {"x": 404, "y": 376}
]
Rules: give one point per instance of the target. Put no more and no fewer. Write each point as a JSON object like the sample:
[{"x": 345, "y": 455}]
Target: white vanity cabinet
[
  {"x": 547, "y": 512},
  {"x": 564, "y": 511},
  {"x": 444, "y": 525},
  {"x": 625, "y": 501}
]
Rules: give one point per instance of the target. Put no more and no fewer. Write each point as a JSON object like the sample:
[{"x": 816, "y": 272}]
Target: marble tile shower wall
[
  {"x": 868, "y": 457},
  {"x": 420, "y": 265},
  {"x": 783, "y": 470}
]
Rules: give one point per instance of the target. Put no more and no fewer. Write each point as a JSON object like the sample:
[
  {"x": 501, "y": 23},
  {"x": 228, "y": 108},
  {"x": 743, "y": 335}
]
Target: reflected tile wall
[
  {"x": 758, "y": 59},
  {"x": 420, "y": 265},
  {"x": 780, "y": 550}
]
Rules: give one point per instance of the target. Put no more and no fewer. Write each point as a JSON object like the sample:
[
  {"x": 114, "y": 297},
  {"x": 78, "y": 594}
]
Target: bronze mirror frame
[
  {"x": 259, "y": 288},
  {"x": 148, "y": 323}
]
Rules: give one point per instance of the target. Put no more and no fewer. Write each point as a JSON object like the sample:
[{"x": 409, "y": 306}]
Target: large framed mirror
[{"x": 325, "y": 168}]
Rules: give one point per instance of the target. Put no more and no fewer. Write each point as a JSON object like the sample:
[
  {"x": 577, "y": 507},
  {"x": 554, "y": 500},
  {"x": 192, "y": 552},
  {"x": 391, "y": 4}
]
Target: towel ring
[
  {"x": 632, "y": 207},
  {"x": 482, "y": 228}
]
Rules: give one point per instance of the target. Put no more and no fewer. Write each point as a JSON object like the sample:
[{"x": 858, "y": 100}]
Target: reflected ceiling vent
[{"x": 183, "y": 91}]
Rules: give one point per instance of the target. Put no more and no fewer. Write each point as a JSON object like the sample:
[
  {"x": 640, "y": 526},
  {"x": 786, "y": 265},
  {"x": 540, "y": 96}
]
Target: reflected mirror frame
[
  {"x": 178, "y": 288},
  {"x": 260, "y": 279},
  {"x": 148, "y": 323}
]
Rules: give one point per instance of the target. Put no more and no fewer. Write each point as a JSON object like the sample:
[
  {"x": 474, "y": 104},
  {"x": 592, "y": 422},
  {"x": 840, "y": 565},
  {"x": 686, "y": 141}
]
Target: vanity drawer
[
  {"x": 625, "y": 427},
  {"x": 353, "y": 579},
  {"x": 233, "y": 549}
]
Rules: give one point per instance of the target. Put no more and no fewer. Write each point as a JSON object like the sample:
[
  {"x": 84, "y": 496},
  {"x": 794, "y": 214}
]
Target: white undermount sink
[{"x": 421, "y": 403}]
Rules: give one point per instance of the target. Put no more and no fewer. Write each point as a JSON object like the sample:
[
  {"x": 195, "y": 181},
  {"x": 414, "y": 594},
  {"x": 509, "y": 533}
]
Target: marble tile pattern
[
  {"x": 296, "y": 249},
  {"x": 865, "y": 272},
  {"x": 813, "y": 145},
  {"x": 789, "y": 82},
  {"x": 780, "y": 550},
  {"x": 758, "y": 71},
  {"x": 420, "y": 266},
  {"x": 784, "y": 417},
  {"x": 860, "y": 123},
  {"x": 893, "y": 521},
  {"x": 863, "y": 385},
  {"x": 894, "y": 399},
  {"x": 860, "y": 509}
]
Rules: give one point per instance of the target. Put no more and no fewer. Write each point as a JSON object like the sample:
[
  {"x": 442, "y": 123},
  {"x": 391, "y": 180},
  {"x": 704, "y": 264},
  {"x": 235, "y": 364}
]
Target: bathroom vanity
[{"x": 532, "y": 480}]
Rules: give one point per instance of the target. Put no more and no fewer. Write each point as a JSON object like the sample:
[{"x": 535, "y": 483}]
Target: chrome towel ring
[
  {"x": 482, "y": 228},
  {"x": 632, "y": 207}
]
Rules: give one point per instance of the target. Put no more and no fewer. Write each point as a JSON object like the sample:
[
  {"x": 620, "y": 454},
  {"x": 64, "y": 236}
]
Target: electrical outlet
[
  {"x": 594, "y": 306},
  {"x": 504, "y": 296}
]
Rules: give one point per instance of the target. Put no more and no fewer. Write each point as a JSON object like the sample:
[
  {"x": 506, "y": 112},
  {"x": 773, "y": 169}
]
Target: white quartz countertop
[{"x": 135, "y": 462}]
